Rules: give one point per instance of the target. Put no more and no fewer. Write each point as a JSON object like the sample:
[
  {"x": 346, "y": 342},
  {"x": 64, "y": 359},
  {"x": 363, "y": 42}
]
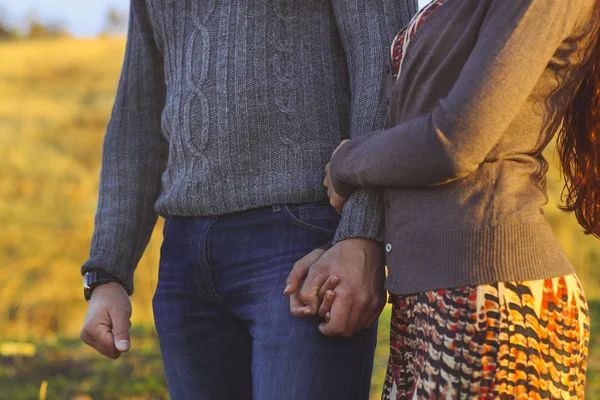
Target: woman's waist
[
  {"x": 489, "y": 197},
  {"x": 430, "y": 258}
]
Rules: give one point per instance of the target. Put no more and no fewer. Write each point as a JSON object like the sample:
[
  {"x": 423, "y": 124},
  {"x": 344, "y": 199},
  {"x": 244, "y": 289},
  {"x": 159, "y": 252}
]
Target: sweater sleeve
[
  {"x": 367, "y": 28},
  {"x": 134, "y": 157},
  {"x": 516, "y": 43}
]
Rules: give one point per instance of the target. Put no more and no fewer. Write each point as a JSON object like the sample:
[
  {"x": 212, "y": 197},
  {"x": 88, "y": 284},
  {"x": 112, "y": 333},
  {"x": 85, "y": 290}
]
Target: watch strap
[{"x": 93, "y": 279}]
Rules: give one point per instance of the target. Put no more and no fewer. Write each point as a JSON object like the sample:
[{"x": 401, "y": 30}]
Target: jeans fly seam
[
  {"x": 209, "y": 265},
  {"x": 192, "y": 247}
]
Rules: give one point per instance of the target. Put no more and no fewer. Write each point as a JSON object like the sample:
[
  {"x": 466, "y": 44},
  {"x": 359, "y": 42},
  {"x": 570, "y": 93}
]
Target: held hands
[
  {"x": 335, "y": 199},
  {"x": 354, "y": 268}
]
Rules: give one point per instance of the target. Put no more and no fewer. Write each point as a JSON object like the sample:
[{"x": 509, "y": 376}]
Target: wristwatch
[{"x": 93, "y": 279}]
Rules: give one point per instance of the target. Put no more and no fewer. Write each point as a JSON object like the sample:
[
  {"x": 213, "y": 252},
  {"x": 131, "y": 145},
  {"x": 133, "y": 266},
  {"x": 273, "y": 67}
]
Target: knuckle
[
  {"x": 122, "y": 310},
  {"x": 318, "y": 267},
  {"x": 87, "y": 335},
  {"x": 304, "y": 296},
  {"x": 301, "y": 264},
  {"x": 321, "y": 274},
  {"x": 375, "y": 304},
  {"x": 346, "y": 294},
  {"x": 363, "y": 301}
]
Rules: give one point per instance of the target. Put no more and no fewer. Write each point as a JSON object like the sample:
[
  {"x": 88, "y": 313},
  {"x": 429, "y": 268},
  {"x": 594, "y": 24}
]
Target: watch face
[{"x": 88, "y": 279}]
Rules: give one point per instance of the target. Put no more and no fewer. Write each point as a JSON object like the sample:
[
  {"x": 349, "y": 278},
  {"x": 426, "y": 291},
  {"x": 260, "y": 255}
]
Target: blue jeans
[{"x": 224, "y": 325}]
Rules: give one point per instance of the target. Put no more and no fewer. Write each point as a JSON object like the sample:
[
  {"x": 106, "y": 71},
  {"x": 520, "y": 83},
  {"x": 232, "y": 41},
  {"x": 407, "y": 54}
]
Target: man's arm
[
  {"x": 367, "y": 29},
  {"x": 134, "y": 157}
]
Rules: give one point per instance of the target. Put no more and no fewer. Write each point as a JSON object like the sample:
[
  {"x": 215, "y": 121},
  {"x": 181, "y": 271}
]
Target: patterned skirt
[{"x": 511, "y": 340}]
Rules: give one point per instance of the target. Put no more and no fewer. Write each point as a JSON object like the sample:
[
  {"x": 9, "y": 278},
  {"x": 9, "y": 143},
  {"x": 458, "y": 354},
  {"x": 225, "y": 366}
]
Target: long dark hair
[{"x": 579, "y": 135}]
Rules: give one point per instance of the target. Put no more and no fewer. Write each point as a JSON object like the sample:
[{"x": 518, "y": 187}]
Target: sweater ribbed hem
[
  {"x": 362, "y": 217},
  {"x": 430, "y": 260}
]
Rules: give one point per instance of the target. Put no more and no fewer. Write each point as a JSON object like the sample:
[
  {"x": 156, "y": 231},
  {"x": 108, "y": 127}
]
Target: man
[{"x": 226, "y": 114}]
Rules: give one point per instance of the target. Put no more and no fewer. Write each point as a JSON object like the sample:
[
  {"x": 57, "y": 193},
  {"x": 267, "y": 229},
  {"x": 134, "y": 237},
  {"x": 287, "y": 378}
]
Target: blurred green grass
[
  {"x": 72, "y": 369},
  {"x": 55, "y": 100}
]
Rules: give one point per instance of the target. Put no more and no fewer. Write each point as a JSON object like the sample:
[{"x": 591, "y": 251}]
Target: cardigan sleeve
[{"x": 517, "y": 40}]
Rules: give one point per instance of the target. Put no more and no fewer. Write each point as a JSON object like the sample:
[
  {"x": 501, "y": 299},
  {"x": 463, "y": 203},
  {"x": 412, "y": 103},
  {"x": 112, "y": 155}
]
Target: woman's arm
[{"x": 518, "y": 38}]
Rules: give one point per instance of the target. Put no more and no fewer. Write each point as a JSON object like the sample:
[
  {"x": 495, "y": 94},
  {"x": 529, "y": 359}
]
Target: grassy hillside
[{"x": 55, "y": 100}]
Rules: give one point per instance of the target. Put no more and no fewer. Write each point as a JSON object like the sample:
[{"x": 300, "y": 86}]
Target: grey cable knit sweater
[{"x": 225, "y": 106}]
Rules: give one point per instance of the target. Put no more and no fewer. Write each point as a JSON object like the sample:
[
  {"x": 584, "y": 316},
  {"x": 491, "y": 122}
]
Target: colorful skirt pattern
[{"x": 511, "y": 340}]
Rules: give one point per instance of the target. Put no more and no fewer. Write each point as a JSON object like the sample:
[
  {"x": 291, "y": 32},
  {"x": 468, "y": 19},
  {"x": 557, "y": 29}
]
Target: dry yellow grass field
[{"x": 55, "y": 101}]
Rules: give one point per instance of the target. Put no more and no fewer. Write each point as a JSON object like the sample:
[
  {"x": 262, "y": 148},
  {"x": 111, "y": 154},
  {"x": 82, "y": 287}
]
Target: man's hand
[
  {"x": 106, "y": 325},
  {"x": 359, "y": 295}
]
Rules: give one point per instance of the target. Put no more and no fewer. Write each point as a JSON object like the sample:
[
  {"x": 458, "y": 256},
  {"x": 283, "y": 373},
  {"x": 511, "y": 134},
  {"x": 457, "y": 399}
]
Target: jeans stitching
[
  {"x": 191, "y": 249},
  {"x": 302, "y": 224},
  {"x": 209, "y": 265}
]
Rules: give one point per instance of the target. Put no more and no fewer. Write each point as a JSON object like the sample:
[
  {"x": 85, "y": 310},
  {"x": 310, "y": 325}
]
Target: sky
[{"x": 81, "y": 17}]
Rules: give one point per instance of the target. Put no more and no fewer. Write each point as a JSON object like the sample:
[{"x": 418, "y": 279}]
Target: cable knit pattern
[{"x": 225, "y": 106}]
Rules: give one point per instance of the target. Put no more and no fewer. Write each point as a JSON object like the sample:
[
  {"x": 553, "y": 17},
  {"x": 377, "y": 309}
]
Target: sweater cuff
[
  {"x": 340, "y": 182},
  {"x": 362, "y": 217},
  {"x": 123, "y": 275}
]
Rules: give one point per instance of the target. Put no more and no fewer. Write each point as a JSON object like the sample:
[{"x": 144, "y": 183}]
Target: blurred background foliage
[{"x": 56, "y": 95}]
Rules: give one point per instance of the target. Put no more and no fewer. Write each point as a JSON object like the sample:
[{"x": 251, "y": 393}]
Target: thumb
[
  {"x": 121, "y": 325},
  {"x": 300, "y": 270}
]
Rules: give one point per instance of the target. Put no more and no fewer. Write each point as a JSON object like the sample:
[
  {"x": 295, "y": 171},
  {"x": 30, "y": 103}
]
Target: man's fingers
[
  {"x": 98, "y": 335},
  {"x": 300, "y": 270},
  {"x": 297, "y": 307},
  {"x": 325, "y": 307},
  {"x": 330, "y": 284},
  {"x": 340, "y": 311},
  {"x": 120, "y": 323},
  {"x": 309, "y": 292}
]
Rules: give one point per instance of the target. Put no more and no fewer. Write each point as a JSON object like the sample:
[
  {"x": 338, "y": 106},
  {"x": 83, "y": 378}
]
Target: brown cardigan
[{"x": 462, "y": 162}]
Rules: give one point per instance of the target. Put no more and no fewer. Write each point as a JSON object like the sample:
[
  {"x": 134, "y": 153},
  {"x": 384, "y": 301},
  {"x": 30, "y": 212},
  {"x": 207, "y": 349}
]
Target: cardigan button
[
  {"x": 388, "y": 247},
  {"x": 387, "y": 69}
]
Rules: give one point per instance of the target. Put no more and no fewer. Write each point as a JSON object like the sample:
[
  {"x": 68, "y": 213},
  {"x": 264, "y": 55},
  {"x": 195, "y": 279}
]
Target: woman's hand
[{"x": 335, "y": 199}]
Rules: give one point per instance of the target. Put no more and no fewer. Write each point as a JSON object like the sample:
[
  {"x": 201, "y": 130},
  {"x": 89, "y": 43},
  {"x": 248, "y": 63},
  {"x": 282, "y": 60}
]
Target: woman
[{"x": 485, "y": 303}]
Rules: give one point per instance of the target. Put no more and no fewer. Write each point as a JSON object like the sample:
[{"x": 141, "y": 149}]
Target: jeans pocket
[{"x": 317, "y": 217}]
